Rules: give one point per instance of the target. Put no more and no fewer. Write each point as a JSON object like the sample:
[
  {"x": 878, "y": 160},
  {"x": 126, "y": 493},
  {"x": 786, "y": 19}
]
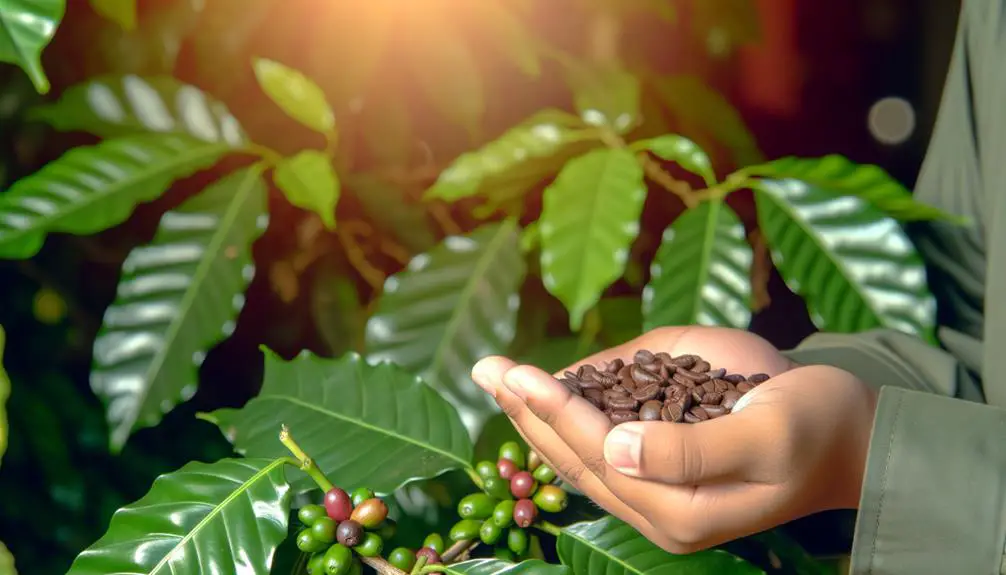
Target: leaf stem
[
  {"x": 654, "y": 171},
  {"x": 548, "y": 527},
  {"x": 418, "y": 567},
  {"x": 358, "y": 259},
  {"x": 271, "y": 157},
  {"x": 306, "y": 464},
  {"x": 475, "y": 477}
]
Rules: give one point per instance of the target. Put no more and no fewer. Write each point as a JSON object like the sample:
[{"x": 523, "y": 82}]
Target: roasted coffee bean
[
  {"x": 701, "y": 366},
  {"x": 614, "y": 365},
  {"x": 604, "y": 378},
  {"x": 690, "y": 375},
  {"x": 722, "y": 385},
  {"x": 664, "y": 358},
  {"x": 672, "y": 412},
  {"x": 623, "y": 372},
  {"x": 573, "y": 386},
  {"x": 730, "y": 399},
  {"x": 643, "y": 356},
  {"x": 665, "y": 372},
  {"x": 716, "y": 373},
  {"x": 714, "y": 411},
  {"x": 675, "y": 392},
  {"x": 646, "y": 392},
  {"x": 585, "y": 370},
  {"x": 621, "y": 416},
  {"x": 594, "y": 396},
  {"x": 712, "y": 398},
  {"x": 758, "y": 378},
  {"x": 678, "y": 378},
  {"x": 643, "y": 376},
  {"x": 622, "y": 403},
  {"x": 697, "y": 394},
  {"x": 734, "y": 378},
  {"x": 628, "y": 384},
  {"x": 685, "y": 361},
  {"x": 591, "y": 383},
  {"x": 744, "y": 387},
  {"x": 650, "y": 411},
  {"x": 708, "y": 387}
]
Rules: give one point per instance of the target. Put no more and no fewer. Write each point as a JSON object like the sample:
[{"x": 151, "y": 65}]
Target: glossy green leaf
[
  {"x": 541, "y": 136},
  {"x": 296, "y": 94},
  {"x": 839, "y": 176},
  {"x": 112, "y": 106},
  {"x": 4, "y": 396},
  {"x": 605, "y": 96},
  {"x": 391, "y": 209},
  {"x": 449, "y": 308},
  {"x": 621, "y": 319},
  {"x": 309, "y": 181},
  {"x": 90, "y": 189},
  {"x": 366, "y": 425},
  {"x": 684, "y": 152},
  {"x": 610, "y": 547},
  {"x": 223, "y": 517},
  {"x": 178, "y": 296},
  {"x": 449, "y": 77},
  {"x": 497, "y": 567},
  {"x": 122, "y": 12},
  {"x": 26, "y": 28},
  {"x": 510, "y": 36},
  {"x": 590, "y": 217},
  {"x": 7, "y": 566},
  {"x": 853, "y": 265},
  {"x": 701, "y": 274}
]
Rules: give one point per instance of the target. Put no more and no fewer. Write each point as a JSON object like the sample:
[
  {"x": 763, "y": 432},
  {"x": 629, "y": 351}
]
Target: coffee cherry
[
  {"x": 370, "y": 513},
  {"x": 315, "y": 565},
  {"x": 503, "y": 514},
  {"x": 489, "y": 532},
  {"x": 308, "y": 513},
  {"x": 533, "y": 461},
  {"x": 505, "y": 554},
  {"x": 361, "y": 494},
  {"x": 338, "y": 505},
  {"x": 371, "y": 547},
  {"x": 551, "y": 498},
  {"x": 511, "y": 450},
  {"x": 544, "y": 474},
  {"x": 517, "y": 541},
  {"x": 307, "y": 543},
  {"x": 432, "y": 557},
  {"x": 349, "y": 533},
  {"x": 338, "y": 560},
  {"x": 324, "y": 530},
  {"x": 522, "y": 485},
  {"x": 402, "y": 558},
  {"x": 497, "y": 487},
  {"x": 387, "y": 529},
  {"x": 465, "y": 529},
  {"x": 507, "y": 469},
  {"x": 524, "y": 513},
  {"x": 486, "y": 469},
  {"x": 356, "y": 568},
  {"x": 435, "y": 542},
  {"x": 476, "y": 506}
]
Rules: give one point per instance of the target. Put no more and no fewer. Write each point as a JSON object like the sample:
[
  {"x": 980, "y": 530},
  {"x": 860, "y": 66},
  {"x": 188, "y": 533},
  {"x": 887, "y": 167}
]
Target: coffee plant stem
[
  {"x": 307, "y": 465},
  {"x": 359, "y": 260},
  {"x": 458, "y": 550},
  {"x": 547, "y": 527},
  {"x": 418, "y": 568},
  {"x": 654, "y": 171},
  {"x": 272, "y": 157},
  {"x": 475, "y": 477},
  {"x": 381, "y": 566}
]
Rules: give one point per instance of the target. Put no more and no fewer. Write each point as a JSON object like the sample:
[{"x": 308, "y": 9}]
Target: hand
[{"x": 797, "y": 445}]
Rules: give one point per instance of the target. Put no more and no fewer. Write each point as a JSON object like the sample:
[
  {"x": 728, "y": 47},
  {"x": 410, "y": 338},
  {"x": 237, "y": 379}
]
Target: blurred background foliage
[{"x": 414, "y": 84}]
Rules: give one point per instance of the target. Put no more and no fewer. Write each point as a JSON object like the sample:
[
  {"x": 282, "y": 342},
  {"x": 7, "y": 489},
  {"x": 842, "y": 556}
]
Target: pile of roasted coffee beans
[
  {"x": 658, "y": 387},
  {"x": 516, "y": 488},
  {"x": 343, "y": 525}
]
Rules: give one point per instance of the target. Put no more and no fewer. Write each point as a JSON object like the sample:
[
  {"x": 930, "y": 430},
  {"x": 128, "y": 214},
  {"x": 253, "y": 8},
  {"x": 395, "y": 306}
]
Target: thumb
[{"x": 712, "y": 451}]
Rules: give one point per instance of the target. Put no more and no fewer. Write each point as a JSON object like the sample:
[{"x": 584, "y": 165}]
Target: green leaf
[
  {"x": 702, "y": 271},
  {"x": 590, "y": 217},
  {"x": 391, "y": 209},
  {"x": 90, "y": 189},
  {"x": 7, "y": 566},
  {"x": 497, "y": 567},
  {"x": 178, "y": 296},
  {"x": 853, "y": 265},
  {"x": 839, "y": 176},
  {"x": 449, "y": 76},
  {"x": 366, "y": 425},
  {"x": 336, "y": 309},
  {"x": 223, "y": 517},
  {"x": 449, "y": 308},
  {"x": 610, "y": 547},
  {"x": 295, "y": 94},
  {"x": 621, "y": 319},
  {"x": 4, "y": 396},
  {"x": 510, "y": 36},
  {"x": 605, "y": 96},
  {"x": 112, "y": 106},
  {"x": 541, "y": 136},
  {"x": 684, "y": 152},
  {"x": 308, "y": 181},
  {"x": 122, "y": 12},
  {"x": 26, "y": 28}
]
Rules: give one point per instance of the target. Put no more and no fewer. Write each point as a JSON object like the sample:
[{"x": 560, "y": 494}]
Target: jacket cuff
[{"x": 934, "y": 499}]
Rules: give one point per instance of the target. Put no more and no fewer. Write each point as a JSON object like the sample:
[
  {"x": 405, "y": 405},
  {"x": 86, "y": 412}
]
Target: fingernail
[
  {"x": 482, "y": 378},
  {"x": 622, "y": 449},
  {"x": 520, "y": 384}
]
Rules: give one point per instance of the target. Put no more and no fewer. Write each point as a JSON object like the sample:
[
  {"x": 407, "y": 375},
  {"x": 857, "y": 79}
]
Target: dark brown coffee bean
[
  {"x": 734, "y": 378},
  {"x": 691, "y": 376},
  {"x": 643, "y": 356},
  {"x": 614, "y": 365},
  {"x": 604, "y": 378},
  {"x": 699, "y": 412},
  {"x": 712, "y": 398},
  {"x": 672, "y": 412},
  {"x": 709, "y": 386},
  {"x": 664, "y": 358},
  {"x": 701, "y": 366},
  {"x": 594, "y": 396},
  {"x": 744, "y": 387},
  {"x": 676, "y": 391},
  {"x": 621, "y": 416},
  {"x": 629, "y": 384},
  {"x": 622, "y": 403},
  {"x": 714, "y": 411},
  {"x": 729, "y": 399},
  {"x": 585, "y": 370},
  {"x": 643, "y": 376},
  {"x": 646, "y": 392},
  {"x": 759, "y": 378},
  {"x": 716, "y": 373},
  {"x": 697, "y": 394},
  {"x": 665, "y": 373},
  {"x": 571, "y": 375},
  {"x": 685, "y": 361},
  {"x": 591, "y": 383},
  {"x": 617, "y": 390},
  {"x": 624, "y": 373},
  {"x": 650, "y": 411},
  {"x": 682, "y": 380},
  {"x": 572, "y": 385},
  {"x": 721, "y": 385},
  {"x": 690, "y": 418}
]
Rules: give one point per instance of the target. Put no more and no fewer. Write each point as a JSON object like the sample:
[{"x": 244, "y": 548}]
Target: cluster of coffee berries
[
  {"x": 345, "y": 524},
  {"x": 515, "y": 488}
]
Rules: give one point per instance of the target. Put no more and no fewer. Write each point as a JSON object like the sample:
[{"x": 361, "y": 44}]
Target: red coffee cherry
[
  {"x": 524, "y": 513},
  {"x": 432, "y": 557},
  {"x": 522, "y": 485},
  {"x": 338, "y": 505},
  {"x": 507, "y": 468}
]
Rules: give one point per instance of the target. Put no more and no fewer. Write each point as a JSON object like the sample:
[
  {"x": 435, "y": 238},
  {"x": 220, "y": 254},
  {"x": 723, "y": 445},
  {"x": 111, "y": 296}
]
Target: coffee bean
[
  {"x": 650, "y": 411},
  {"x": 665, "y": 372},
  {"x": 604, "y": 378},
  {"x": 697, "y": 394},
  {"x": 678, "y": 378},
  {"x": 716, "y": 373},
  {"x": 712, "y": 398},
  {"x": 617, "y": 390},
  {"x": 664, "y": 358},
  {"x": 758, "y": 378},
  {"x": 744, "y": 387},
  {"x": 730, "y": 399},
  {"x": 722, "y": 385},
  {"x": 594, "y": 396},
  {"x": 572, "y": 385},
  {"x": 685, "y": 361},
  {"x": 692, "y": 376},
  {"x": 699, "y": 412},
  {"x": 672, "y": 412},
  {"x": 622, "y": 403},
  {"x": 708, "y": 387},
  {"x": 643, "y": 376},
  {"x": 623, "y": 372},
  {"x": 621, "y": 416},
  {"x": 701, "y": 366},
  {"x": 585, "y": 370},
  {"x": 571, "y": 375},
  {"x": 614, "y": 365},
  {"x": 714, "y": 411},
  {"x": 644, "y": 356},
  {"x": 646, "y": 392},
  {"x": 734, "y": 378},
  {"x": 591, "y": 383}
]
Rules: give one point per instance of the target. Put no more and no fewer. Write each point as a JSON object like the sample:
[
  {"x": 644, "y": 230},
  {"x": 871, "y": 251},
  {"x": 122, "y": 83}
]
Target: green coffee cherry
[
  {"x": 551, "y": 498},
  {"x": 544, "y": 474},
  {"x": 511, "y": 450},
  {"x": 516, "y": 541},
  {"x": 402, "y": 558},
  {"x": 486, "y": 469},
  {"x": 324, "y": 530},
  {"x": 307, "y": 543},
  {"x": 360, "y": 495},
  {"x": 338, "y": 560},
  {"x": 371, "y": 547},
  {"x": 490, "y": 533},
  {"x": 465, "y": 529},
  {"x": 309, "y": 513},
  {"x": 314, "y": 564},
  {"x": 504, "y": 554},
  {"x": 356, "y": 568},
  {"x": 435, "y": 542},
  {"x": 387, "y": 529},
  {"x": 497, "y": 487},
  {"x": 503, "y": 514},
  {"x": 476, "y": 506}
]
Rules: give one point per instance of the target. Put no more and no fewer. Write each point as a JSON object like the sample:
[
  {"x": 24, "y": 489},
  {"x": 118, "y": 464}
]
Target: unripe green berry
[
  {"x": 486, "y": 469},
  {"x": 324, "y": 529},
  {"x": 504, "y": 554},
  {"x": 315, "y": 565},
  {"x": 517, "y": 541},
  {"x": 388, "y": 529},
  {"x": 489, "y": 532},
  {"x": 371, "y": 547},
  {"x": 435, "y": 542},
  {"x": 338, "y": 560},
  {"x": 356, "y": 568},
  {"x": 544, "y": 474},
  {"x": 361, "y": 494},
  {"x": 551, "y": 498},
  {"x": 307, "y": 543},
  {"x": 503, "y": 514},
  {"x": 476, "y": 506},
  {"x": 497, "y": 487},
  {"x": 465, "y": 529},
  {"x": 402, "y": 558},
  {"x": 309, "y": 513},
  {"x": 512, "y": 450}
]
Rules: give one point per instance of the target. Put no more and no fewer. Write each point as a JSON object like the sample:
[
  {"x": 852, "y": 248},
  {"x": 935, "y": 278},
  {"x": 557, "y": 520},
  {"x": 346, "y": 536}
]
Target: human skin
[{"x": 793, "y": 446}]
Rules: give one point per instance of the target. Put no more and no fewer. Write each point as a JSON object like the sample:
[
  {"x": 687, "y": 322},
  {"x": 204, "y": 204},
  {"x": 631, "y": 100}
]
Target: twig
[
  {"x": 459, "y": 550},
  {"x": 382, "y": 567},
  {"x": 443, "y": 218},
  {"x": 761, "y": 271},
  {"x": 358, "y": 259},
  {"x": 307, "y": 465},
  {"x": 664, "y": 180},
  {"x": 395, "y": 251}
]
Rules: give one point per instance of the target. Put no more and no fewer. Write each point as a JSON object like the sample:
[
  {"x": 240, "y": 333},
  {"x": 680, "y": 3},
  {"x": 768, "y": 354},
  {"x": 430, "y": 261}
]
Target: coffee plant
[{"x": 535, "y": 223}]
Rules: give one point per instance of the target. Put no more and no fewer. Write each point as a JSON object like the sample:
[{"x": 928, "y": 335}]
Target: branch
[
  {"x": 761, "y": 271},
  {"x": 357, "y": 258},
  {"x": 459, "y": 551},
  {"x": 381, "y": 566}
]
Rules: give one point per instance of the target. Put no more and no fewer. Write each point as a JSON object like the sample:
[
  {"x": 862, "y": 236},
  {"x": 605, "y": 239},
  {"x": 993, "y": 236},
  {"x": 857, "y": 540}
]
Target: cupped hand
[{"x": 793, "y": 446}]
